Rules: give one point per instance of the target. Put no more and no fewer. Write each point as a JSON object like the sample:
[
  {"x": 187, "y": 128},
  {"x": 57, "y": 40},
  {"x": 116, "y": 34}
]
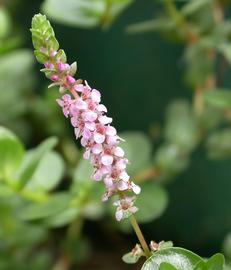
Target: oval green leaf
[
  {"x": 180, "y": 258},
  {"x": 152, "y": 201},
  {"x": 31, "y": 162},
  {"x": 11, "y": 153},
  {"x": 48, "y": 174},
  {"x": 52, "y": 206},
  {"x": 219, "y": 98},
  {"x": 136, "y": 142}
]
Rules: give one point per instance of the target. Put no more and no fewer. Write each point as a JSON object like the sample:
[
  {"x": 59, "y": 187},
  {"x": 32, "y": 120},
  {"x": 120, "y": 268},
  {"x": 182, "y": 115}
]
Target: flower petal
[
  {"x": 110, "y": 131},
  {"x": 99, "y": 138},
  {"x": 95, "y": 95},
  {"x": 107, "y": 160}
]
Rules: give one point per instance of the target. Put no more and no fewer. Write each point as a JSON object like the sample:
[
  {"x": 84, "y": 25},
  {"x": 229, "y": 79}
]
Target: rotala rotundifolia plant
[{"x": 82, "y": 105}]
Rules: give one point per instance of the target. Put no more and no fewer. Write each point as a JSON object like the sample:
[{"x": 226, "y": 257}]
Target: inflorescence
[{"x": 82, "y": 105}]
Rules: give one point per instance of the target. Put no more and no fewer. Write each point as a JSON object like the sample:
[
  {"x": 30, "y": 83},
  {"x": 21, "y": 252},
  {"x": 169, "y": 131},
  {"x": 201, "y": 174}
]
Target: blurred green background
[{"x": 138, "y": 75}]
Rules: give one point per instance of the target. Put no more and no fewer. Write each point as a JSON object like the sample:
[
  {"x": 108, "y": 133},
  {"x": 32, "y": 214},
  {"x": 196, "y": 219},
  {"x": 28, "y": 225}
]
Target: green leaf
[
  {"x": 5, "y": 22},
  {"x": 43, "y": 34},
  {"x": 162, "y": 24},
  {"x": 201, "y": 266},
  {"x": 193, "y": 6},
  {"x": 170, "y": 160},
  {"x": 227, "y": 247},
  {"x": 152, "y": 201},
  {"x": 165, "y": 244},
  {"x": 54, "y": 205},
  {"x": 9, "y": 73},
  {"x": 181, "y": 126},
  {"x": 116, "y": 7},
  {"x": 180, "y": 258},
  {"x": 219, "y": 98},
  {"x": 83, "y": 171},
  {"x": 218, "y": 144},
  {"x": 84, "y": 13},
  {"x": 41, "y": 57},
  {"x": 82, "y": 183},
  {"x": 61, "y": 55},
  {"x": 88, "y": 193},
  {"x": 136, "y": 142},
  {"x": 225, "y": 49},
  {"x": 211, "y": 118},
  {"x": 62, "y": 218},
  {"x": 5, "y": 191},
  {"x": 199, "y": 67},
  {"x": 93, "y": 210},
  {"x": 227, "y": 267},
  {"x": 73, "y": 69},
  {"x": 129, "y": 258},
  {"x": 31, "y": 162},
  {"x": 48, "y": 174},
  {"x": 133, "y": 256},
  {"x": 11, "y": 153},
  {"x": 166, "y": 266},
  {"x": 216, "y": 262}
]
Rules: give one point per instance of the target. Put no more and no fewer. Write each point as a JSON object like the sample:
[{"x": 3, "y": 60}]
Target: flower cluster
[{"x": 98, "y": 137}]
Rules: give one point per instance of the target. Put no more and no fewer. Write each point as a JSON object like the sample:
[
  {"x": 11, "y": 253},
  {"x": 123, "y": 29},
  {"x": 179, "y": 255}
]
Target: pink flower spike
[{"x": 97, "y": 136}]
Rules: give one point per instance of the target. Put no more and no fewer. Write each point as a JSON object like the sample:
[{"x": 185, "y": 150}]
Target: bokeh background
[{"x": 139, "y": 75}]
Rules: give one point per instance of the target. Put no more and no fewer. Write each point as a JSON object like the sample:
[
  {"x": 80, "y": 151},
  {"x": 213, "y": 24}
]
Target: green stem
[{"x": 140, "y": 236}]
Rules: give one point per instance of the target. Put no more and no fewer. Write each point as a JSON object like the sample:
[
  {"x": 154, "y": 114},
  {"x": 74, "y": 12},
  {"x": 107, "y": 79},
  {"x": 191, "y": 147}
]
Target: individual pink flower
[
  {"x": 65, "y": 103},
  {"x": 125, "y": 207}
]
